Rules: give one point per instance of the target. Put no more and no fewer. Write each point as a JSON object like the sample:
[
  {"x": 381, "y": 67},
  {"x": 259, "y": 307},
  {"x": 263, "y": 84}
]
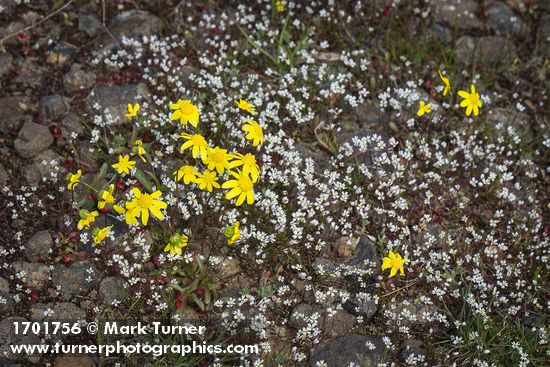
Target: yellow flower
[
  {"x": 248, "y": 161},
  {"x": 423, "y": 109},
  {"x": 471, "y": 101},
  {"x": 446, "y": 82},
  {"x": 106, "y": 197},
  {"x": 395, "y": 262},
  {"x": 197, "y": 142},
  {"x": 280, "y": 5},
  {"x": 101, "y": 234},
  {"x": 245, "y": 106},
  {"x": 188, "y": 173},
  {"x": 140, "y": 150},
  {"x": 242, "y": 186},
  {"x": 207, "y": 180},
  {"x": 177, "y": 242},
  {"x": 255, "y": 132},
  {"x": 232, "y": 233},
  {"x": 124, "y": 164},
  {"x": 86, "y": 218},
  {"x": 143, "y": 203},
  {"x": 121, "y": 210},
  {"x": 74, "y": 179},
  {"x": 217, "y": 159},
  {"x": 186, "y": 112},
  {"x": 132, "y": 111}
]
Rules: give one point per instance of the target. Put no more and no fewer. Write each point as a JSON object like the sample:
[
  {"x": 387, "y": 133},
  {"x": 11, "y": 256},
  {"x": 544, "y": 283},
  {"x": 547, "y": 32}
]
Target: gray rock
[
  {"x": 504, "y": 21},
  {"x": 31, "y": 73},
  {"x": 370, "y": 115},
  {"x": 8, "y": 337},
  {"x": 36, "y": 274},
  {"x": 80, "y": 277},
  {"x": 113, "y": 100},
  {"x": 328, "y": 57},
  {"x": 339, "y": 324},
  {"x": 53, "y": 107},
  {"x": 411, "y": 314},
  {"x": 77, "y": 79},
  {"x": 229, "y": 268},
  {"x": 12, "y": 113},
  {"x": 320, "y": 157},
  {"x": 361, "y": 350},
  {"x": 61, "y": 311},
  {"x": 32, "y": 139},
  {"x": 71, "y": 124},
  {"x": 414, "y": 353},
  {"x": 512, "y": 118},
  {"x": 185, "y": 72},
  {"x": 89, "y": 24},
  {"x": 458, "y": 14},
  {"x": 39, "y": 246},
  {"x": 487, "y": 50},
  {"x": 5, "y": 63},
  {"x": 12, "y": 28},
  {"x": 112, "y": 290},
  {"x": 4, "y": 285},
  {"x": 4, "y": 176},
  {"x": 7, "y": 302},
  {"x": 124, "y": 24},
  {"x": 345, "y": 246},
  {"x": 544, "y": 29},
  {"x": 365, "y": 255},
  {"x": 74, "y": 360},
  {"x": 361, "y": 306},
  {"x": 439, "y": 33},
  {"x": 88, "y": 155},
  {"x": 42, "y": 167},
  {"x": 61, "y": 53}
]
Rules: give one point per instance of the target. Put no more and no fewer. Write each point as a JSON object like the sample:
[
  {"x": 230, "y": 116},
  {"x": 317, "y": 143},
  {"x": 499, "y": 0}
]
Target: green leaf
[
  {"x": 177, "y": 287},
  {"x": 140, "y": 175},
  {"x": 198, "y": 302},
  {"x": 192, "y": 287}
]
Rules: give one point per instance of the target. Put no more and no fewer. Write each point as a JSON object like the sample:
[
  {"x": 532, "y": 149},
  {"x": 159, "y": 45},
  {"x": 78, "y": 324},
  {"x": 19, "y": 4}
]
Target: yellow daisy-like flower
[
  {"x": 232, "y": 233},
  {"x": 395, "y": 262},
  {"x": 207, "y": 180},
  {"x": 188, "y": 173},
  {"x": 245, "y": 106},
  {"x": 74, "y": 179},
  {"x": 140, "y": 150},
  {"x": 124, "y": 210},
  {"x": 124, "y": 164},
  {"x": 132, "y": 110},
  {"x": 198, "y": 144},
  {"x": 280, "y": 5},
  {"x": 86, "y": 218},
  {"x": 106, "y": 197},
  {"x": 176, "y": 244},
  {"x": 471, "y": 101},
  {"x": 423, "y": 109},
  {"x": 143, "y": 203},
  {"x": 218, "y": 159},
  {"x": 248, "y": 163},
  {"x": 101, "y": 234},
  {"x": 446, "y": 82},
  {"x": 186, "y": 112},
  {"x": 255, "y": 132},
  {"x": 242, "y": 186}
]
